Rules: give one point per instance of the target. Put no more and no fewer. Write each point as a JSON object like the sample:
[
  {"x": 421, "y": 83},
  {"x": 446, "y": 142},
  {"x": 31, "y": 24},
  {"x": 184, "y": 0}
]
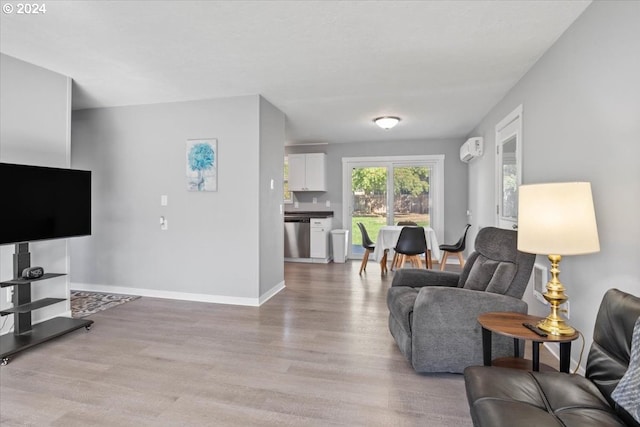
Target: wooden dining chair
[
  {"x": 411, "y": 244},
  {"x": 428, "y": 261},
  {"x": 403, "y": 224},
  {"x": 368, "y": 246},
  {"x": 456, "y": 248}
]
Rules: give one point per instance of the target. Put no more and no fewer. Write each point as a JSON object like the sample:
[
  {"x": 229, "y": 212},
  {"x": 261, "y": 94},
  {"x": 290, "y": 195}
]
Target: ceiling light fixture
[{"x": 386, "y": 122}]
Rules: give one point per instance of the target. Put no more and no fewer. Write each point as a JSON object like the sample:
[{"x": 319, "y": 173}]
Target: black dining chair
[
  {"x": 427, "y": 256},
  {"x": 368, "y": 246},
  {"x": 456, "y": 248},
  {"x": 401, "y": 224},
  {"x": 411, "y": 244}
]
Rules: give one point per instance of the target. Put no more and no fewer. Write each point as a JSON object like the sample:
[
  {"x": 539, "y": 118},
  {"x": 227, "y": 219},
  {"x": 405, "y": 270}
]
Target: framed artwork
[{"x": 202, "y": 165}]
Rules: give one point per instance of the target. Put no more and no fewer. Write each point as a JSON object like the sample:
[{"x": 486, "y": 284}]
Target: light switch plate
[{"x": 164, "y": 200}]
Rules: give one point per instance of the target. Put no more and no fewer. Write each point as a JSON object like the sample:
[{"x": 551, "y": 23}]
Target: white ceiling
[{"x": 330, "y": 66}]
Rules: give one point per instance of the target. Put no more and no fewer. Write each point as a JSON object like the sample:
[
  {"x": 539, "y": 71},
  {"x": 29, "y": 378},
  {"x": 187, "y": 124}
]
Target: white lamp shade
[
  {"x": 386, "y": 122},
  {"x": 557, "y": 219}
]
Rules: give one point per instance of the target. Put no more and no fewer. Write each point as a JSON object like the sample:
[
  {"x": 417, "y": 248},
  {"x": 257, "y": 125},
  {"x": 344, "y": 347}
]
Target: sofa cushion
[
  {"x": 400, "y": 300},
  {"x": 627, "y": 392},
  {"x": 491, "y": 276},
  {"x": 507, "y": 397}
]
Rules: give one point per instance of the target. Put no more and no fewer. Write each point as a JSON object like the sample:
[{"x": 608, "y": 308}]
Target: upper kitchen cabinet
[{"x": 308, "y": 172}]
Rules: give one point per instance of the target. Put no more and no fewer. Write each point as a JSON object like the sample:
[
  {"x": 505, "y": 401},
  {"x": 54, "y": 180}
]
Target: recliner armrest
[
  {"x": 469, "y": 302},
  {"x": 448, "y": 317},
  {"x": 416, "y": 278}
]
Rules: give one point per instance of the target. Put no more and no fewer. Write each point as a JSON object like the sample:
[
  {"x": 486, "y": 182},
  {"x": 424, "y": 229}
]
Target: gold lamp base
[
  {"x": 555, "y": 327},
  {"x": 553, "y": 323}
]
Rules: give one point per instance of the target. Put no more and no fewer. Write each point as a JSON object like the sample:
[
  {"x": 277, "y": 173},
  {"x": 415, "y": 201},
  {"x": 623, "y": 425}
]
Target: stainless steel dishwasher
[{"x": 297, "y": 236}]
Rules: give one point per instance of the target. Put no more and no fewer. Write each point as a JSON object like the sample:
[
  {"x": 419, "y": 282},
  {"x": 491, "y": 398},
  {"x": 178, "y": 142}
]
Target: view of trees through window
[
  {"x": 287, "y": 193},
  {"x": 410, "y": 201}
]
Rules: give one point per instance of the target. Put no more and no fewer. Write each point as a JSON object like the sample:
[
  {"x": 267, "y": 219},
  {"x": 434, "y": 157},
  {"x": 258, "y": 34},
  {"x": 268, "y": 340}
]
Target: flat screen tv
[{"x": 40, "y": 203}]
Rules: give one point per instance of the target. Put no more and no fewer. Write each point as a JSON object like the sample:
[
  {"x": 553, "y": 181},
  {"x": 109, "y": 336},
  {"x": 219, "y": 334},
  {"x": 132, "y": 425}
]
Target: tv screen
[{"x": 41, "y": 203}]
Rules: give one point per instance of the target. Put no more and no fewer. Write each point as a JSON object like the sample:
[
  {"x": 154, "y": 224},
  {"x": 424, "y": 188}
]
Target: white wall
[
  {"x": 137, "y": 154},
  {"x": 35, "y": 111},
  {"x": 271, "y": 240},
  {"x": 581, "y": 123}
]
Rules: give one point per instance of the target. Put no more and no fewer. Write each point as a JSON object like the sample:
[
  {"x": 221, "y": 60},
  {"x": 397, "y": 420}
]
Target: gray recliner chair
[{"x": 433, "y": 314}]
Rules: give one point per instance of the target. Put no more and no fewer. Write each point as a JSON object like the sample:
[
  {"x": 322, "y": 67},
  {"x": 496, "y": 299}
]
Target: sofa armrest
[
  {"x": 416, "y": 278},
  {"x": 445, "y": 330}
]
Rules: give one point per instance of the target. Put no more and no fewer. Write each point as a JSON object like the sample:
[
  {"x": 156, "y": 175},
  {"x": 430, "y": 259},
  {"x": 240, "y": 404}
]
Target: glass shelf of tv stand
[{"x": 20, "y": 281}]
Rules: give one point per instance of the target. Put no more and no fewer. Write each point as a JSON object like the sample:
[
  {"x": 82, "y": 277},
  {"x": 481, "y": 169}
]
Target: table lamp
[{"x": 556, "y": 219}]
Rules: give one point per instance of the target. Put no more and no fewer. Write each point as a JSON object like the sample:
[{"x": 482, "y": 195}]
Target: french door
[
  {"x": 384, "y": 191},
  {"x": 508, "y": 169}
]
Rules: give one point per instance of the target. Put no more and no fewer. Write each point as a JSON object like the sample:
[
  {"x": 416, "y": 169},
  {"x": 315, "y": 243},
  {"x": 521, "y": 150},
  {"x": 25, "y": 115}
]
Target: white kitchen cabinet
[
  {"x": 320, "y": 232},
  {"x": 308, "y": 172}
]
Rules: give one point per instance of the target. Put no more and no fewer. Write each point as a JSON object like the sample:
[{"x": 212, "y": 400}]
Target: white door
[
  {"x": 382, "y": 191},
  {"x": 508, "y": 169}
]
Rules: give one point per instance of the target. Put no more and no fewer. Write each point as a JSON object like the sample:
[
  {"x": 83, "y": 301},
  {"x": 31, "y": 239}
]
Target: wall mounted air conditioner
[{"x": 471, "y": 149}]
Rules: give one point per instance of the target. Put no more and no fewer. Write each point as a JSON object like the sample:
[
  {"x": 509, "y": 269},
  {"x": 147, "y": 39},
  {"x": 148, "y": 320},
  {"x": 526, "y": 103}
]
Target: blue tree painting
[{"x": 201, "y": 165}]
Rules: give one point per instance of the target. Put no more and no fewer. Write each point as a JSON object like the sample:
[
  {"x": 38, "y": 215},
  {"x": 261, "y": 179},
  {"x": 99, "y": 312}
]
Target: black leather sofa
[{"x": 508, "y": 397}]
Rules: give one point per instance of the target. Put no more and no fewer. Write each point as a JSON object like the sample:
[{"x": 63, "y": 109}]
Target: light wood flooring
[{"x": 317, "y": 354}]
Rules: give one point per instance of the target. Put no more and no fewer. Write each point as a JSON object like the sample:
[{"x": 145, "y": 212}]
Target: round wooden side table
[{"x": 511, "y": 324}]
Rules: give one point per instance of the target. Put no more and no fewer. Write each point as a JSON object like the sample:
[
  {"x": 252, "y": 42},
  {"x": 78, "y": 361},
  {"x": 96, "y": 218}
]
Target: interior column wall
[{"x": 35, "y": 111}]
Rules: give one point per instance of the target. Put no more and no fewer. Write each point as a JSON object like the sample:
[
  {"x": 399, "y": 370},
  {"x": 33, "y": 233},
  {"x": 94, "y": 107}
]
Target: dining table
[{"x": 388, "y": 238}]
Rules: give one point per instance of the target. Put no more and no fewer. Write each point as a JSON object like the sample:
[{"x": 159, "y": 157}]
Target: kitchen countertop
[{"x": 310, "y": 214}]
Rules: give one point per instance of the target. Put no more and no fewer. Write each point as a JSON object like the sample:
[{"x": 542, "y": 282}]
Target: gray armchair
[{"x": 433, "y": 314}]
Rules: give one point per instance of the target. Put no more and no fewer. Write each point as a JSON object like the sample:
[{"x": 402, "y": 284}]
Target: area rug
[{"x": 86, "y": 303}]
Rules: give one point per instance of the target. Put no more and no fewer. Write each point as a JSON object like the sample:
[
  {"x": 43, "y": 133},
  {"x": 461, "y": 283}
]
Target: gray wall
[
  {"x": 272, "y": 137},
  {"x": 455, "y": 175},
  {"x": 35, "y": 111},
  {"x": 581, "y": 115},
  {"x": 137, "y": 153}
]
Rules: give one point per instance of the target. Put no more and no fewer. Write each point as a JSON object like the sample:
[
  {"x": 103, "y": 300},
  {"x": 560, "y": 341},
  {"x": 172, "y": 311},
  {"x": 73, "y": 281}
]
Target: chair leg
[
  {"x": 383, "y": 263},
  {"x": 460, "y": 259},
  {"x": 428, "y": 261},
  {"x": 395, "y": 260},
  {"x": 365, "y": 258},
  {"x": 418, "y": 261},
  {"x": 443, "y": 261}
]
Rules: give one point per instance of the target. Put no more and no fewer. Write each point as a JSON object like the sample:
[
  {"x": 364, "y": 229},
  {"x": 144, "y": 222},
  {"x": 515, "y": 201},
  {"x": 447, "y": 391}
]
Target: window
[
  {"x": 383, "y": 191},
  {"x": 287, "y": 194}
]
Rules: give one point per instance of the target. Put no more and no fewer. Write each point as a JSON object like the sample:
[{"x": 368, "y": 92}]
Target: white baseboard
[
  {"x": 310, "y": 260},
  {"x": 554, "y": 349},
  {"x": 184, "y": 296},
  {"x": 271, "y": 293}
]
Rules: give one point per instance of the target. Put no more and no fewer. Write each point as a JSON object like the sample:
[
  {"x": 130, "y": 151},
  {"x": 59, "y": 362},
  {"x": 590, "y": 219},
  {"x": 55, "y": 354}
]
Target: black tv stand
[{"x": 25, "y": 335}]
